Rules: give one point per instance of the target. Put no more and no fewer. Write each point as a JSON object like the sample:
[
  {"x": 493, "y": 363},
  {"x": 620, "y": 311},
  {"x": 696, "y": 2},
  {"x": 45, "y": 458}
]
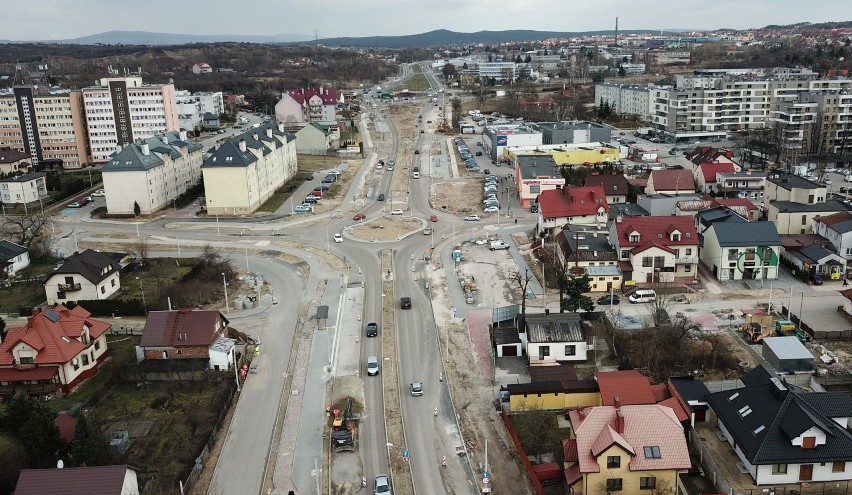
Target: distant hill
[
  {"x": 147, "y": 38},
  {"x": 443, "y": 37}
]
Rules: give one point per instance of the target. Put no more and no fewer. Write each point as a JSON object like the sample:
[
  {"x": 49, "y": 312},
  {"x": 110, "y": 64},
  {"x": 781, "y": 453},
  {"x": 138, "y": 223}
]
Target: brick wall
[{"x": 196, "y": 352}]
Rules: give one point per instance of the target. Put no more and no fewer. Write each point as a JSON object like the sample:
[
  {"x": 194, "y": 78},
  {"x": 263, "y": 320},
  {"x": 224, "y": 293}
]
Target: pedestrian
[{"x": 845, "y": 283}]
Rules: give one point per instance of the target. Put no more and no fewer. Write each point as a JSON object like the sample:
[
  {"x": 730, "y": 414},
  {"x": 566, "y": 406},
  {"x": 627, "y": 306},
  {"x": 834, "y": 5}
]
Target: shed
[
  {"x": 507, "y": 342},
  {"x": 787, "y": 354}
]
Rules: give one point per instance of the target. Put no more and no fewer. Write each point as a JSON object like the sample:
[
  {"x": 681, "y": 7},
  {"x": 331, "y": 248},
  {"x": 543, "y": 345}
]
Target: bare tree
[
  {"x": 537, "y": 428},
  {"x": 26, "y": 227},
  {"x": 522, "y": 282},
  {"x": 141, "y": 249}
]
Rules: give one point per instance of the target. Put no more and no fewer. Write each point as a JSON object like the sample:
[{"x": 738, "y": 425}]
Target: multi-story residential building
[
  {"x": 837, "y": 228},
  {"x": 189, "y": 111},
  {"x": 303, "y": 105},
  {"x": 122, "y": 110},
  {"x": 24, "y": 189},
  {"x": 816, "y": 122},
  {"x": 656, "y": 249},
  {"x": 242, "y": 173},
  {"x": 748, "y": 185},
  {"x": 213, "y": 102},
  {"x": 572, "y": 132},
  {"x": 625, "y": 99},
  {"x": 572, "y": 205},
  {"x": 151, "y": 173},
  {"x": 48, "y": 125},
  {"x": 735, "y": 249}
]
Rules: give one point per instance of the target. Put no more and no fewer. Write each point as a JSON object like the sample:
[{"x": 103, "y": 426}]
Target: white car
[
  {"x": 390, "y": 167},
  {"x": 827, "y": 181},
  {"x": 472, "y": 218},
  {"x": 491, "y": 209},
  {"x": 99, "y": 192},
  {"x": 397, "y": 212},
  {"x": 338, "y": 238},
  {"x": 303, "y": 208}
]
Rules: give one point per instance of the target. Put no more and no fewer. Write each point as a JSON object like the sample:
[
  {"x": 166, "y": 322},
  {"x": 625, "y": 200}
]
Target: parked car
[
  {"x": 534, "y": 208},
  {"x": 359, "y": 216},
  {"x": 478, "y": 153},
  {"x": 427, "y": 231},
  {"x": 99, "y": 192},
  {"x": 416, "y": 152},
  {"x": 433, "y": 218},
  {"x": 609, "y": 300},
  {"x": 405, "y": 303},
  {"x": 397, "y": 212},
  {"x": 302, "y": 208},
  {"x": 381, "y": 486},
  {"x": 75, "y": 204},
  {"x": 472, "y": 218},
  {"x": 491, "y": 209}
]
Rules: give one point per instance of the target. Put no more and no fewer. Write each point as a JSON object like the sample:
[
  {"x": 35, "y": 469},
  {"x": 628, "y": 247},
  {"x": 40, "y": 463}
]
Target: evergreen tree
[
  {"x": 89, "y": 446},
  {"x": 574, "y": 299}
]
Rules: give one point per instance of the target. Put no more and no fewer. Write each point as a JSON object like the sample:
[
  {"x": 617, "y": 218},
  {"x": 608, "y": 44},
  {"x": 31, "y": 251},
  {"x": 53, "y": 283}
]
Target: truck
[{"x": 643, "y": 132}]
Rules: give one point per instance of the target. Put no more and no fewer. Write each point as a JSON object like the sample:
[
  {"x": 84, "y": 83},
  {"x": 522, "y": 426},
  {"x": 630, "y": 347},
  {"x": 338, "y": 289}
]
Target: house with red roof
[
  {"x": 202, "y": 68},
  {"x": 624, "y": 448},
  {"x": 574, "y": 204},
  {"x": 656, "y": 249},
  {"x": 303, "y": 105},
  {"x": 670, "y": 181},
  {"x": 705, "y": 175},
  {"x": 626, "y": 387},
  {"x": 100, "y": 480},
  {"x": 188, "y": 334},
  {"x": 53, "y": 352}
]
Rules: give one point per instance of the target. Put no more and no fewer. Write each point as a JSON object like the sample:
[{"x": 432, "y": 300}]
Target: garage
[{"x": 507, "y": 342}]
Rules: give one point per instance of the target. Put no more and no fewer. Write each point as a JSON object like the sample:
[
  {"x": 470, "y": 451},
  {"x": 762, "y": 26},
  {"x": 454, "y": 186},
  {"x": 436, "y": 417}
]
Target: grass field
[
  {"x": 26, "y": 294},
  {"x": 417, "y": 81},
  {"x": 159, "y": 273}
]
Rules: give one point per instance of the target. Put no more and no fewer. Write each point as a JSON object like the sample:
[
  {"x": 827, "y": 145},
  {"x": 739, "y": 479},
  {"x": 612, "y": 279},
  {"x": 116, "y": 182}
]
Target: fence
[
  {"x": 821, "y": 334},
  {"x": 710, "y": 468},
  {"x": 205, "y": 452},
  {"x": 539, "y": 490}
]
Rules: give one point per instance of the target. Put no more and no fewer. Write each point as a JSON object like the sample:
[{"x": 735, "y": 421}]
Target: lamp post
[
  {"x": 142, "y": 290},
  {"x": 225, "y": 285}
]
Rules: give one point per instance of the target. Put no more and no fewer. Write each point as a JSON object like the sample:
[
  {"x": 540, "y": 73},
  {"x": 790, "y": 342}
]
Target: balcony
[
  {"x": 69, "y": 287},
  {"x": 686, "y": 261}
]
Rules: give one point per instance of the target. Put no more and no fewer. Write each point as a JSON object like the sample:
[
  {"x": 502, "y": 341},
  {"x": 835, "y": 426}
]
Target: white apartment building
[
  {"x": 189, "y": 111},
  {"x": 630, "y": 99},
  {"x": 123, "y": 109},
  {"x": 819, "y": 122},
  {"x": 152, "y": 173},
  {"x": 501, "y": 71},
  {"x": 26, "y": 188},
  {"x": 46, "y": 124},
  {"x": 242, "y": 173}
]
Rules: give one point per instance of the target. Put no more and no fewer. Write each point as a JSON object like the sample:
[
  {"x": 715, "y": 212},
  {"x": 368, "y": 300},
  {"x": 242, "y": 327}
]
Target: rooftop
[
  {"x": 746, "y": 234},
  {"x": 555, "y": 327},
  {"x": 792, "y": 181}
]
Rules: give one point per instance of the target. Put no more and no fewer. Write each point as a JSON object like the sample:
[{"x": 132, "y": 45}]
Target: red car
[
  {"x": 315, "y": 193},
  {"x": 434, "y": 218},
  {"x": 359, "y": 216}
]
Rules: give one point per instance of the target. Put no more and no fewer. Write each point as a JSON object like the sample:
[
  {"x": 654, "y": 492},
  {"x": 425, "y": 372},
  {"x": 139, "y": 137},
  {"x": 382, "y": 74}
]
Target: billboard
[
  {"x": 544, "y": 182},
  {"x": 502, "y": 140}
]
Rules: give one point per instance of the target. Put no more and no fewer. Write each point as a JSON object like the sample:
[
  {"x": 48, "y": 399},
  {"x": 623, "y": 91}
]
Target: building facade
[
  {"x": 298, "y": 106},
  {"x": 27, "y": 188},
  {"x": 625, "y": 99}
]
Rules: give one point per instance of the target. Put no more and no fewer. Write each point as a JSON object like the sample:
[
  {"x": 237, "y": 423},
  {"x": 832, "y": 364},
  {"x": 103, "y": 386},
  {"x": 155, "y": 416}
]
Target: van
[
  {"x": 495, "y": 245},
  {"x": 642, "y": 296}
]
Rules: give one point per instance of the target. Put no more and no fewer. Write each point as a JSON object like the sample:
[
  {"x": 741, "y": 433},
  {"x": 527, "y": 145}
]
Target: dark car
[
  {"x": 608, "y": 300},
  {"x": 416, "y": 152},
  {"x": 478, "y": 153},
  {"x": 405, "y": 302},
  {"x": 372, "y": 329},
  {"x": 381, "y": 197}
]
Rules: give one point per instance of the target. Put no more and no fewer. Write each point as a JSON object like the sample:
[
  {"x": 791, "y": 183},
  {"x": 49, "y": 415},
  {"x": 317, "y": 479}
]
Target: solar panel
[{"x": 52, "y": 315}]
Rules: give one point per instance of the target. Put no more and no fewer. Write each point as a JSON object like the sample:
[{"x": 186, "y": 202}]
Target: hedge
[{"x": 110, "y": 307}]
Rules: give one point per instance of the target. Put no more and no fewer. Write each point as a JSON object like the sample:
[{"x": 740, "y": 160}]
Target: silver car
[{"x": 382, "y": 485}]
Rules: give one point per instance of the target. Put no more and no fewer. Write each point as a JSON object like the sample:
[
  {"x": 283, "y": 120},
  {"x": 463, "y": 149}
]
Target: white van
[
  {"x": 495, "y": 245},
  {"x": 642, "y": 296}
]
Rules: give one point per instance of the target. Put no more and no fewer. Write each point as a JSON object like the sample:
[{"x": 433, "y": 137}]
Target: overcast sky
[{"x": 62, "y": 19}]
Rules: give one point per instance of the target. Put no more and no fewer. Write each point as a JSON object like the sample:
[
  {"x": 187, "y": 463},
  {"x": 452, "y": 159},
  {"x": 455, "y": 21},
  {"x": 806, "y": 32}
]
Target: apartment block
[
  {"x": 48, "y": 125},
  {"x": 816, "y": 122},
  {"x": 192, "y": 106},
  {"x": 629, "y": 99},
  {"x": 122, "y": 110}
]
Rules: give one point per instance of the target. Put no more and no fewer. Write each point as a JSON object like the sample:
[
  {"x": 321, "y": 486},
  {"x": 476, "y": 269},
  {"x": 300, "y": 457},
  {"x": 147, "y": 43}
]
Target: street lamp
[
  {"x": 142, "y": 290},
  {"x": 225, "y": 285}
]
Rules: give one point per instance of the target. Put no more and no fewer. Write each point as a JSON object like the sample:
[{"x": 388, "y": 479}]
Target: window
[
  {"x": 804, "y": 219},
  {"x": 838, "y": 467},
  {"x": 634, "y": 237},
  {"x": 779, "y": 469},
  {"x": 687, "y": 268},
  {"x": 613, "y": 485},
  {"x": 85, "y": 359},
  {"x": 647, "y": 482},
  {"x": 625, "y": 253},
  {"x": 113, "y": 282},
  {"x": 103, "y": 290},
  {"x": 60, "y": 295},
  {"x": 570, "y": 350},
  {"x": 647, "y": 261},
  {"x": 97, "y": 345},
  {"x": 652, "y": 452},
  {"x": 76, "y": 365},
  {"x": 26, "y": 360},
  {"x": 688, "y": 251},
  {"x": 613, "y": 461},
  {"x": 675, "y": 237}
]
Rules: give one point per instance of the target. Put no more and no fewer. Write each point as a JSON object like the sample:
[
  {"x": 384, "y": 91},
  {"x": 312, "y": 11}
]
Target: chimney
[
  {"x": 35, "y": 311},
  {"x": 269, "y": 131},
  {"x": 243, "y": 145},
  {"x": 165, "y": 139},
  {"x": 616, "y": 401},
  {"x": 280, "y": 127},
  {"x": 183, "y": 136},
  {"x": 619, "y": 421},
  {"x": 145, "y": 150},
  {"x": 619, "y": 218}
]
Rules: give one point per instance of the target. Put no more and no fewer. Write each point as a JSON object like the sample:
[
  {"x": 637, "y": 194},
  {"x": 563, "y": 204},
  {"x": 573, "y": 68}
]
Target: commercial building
[
  {"x": 496, "y": 138},
  {"x": 46, "y": 124},
  {"x": 572, "y": 132},
  {"x": 500, "y": 71},
  {"x": 122, "y": 110}
]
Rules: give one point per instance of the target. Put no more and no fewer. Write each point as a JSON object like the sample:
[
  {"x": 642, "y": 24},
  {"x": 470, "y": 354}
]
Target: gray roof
[
  {"x": 90, "y": 265},
  {"x": 627, "y": 210},
  {"x": 591, "y": 246},
  {"x": 24, "y": 178},
  {"x": 131, "y": 157},
  {"x": 554, "y": 328},
  {"x": 788, "y": 347},
  {"x": 9, "y": 250},
  {"x": 537, "y": 166},
  {"x": 229, "y": 154},
  {"x": 830, "y": 206},
  {"x": 664, "y": 204},
  {"x": 790, "y": 181},
  {"x": 815, "y": 252},
  {"x": 842, "y": 227},
  {"x": 744, "y": 175},
  {"x": 746, "y": 234},
  {"x": 720, "y": 214}
]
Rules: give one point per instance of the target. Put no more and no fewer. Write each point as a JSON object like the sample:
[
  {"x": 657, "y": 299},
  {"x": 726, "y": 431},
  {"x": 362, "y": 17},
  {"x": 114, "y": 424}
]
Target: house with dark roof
[
  {"x": 735, "y": 250},
  {"x": 554, "y": 338},
  {"x": 656, "y": 249},
  {"x": 53, "y": 352},
  {"x": 797, "y": 218},
  {"x": 615, "y": 186},
  {"x": 574, "y": 205},
  {"x": 100, "y": 480},
  {"x": 709, "y": 154},
  {"x": 837, "y": 228},
  {"x": 560, "y": 395},
  {"x": 210, "y": 121},
  {"x": 588, "y": 248},
  {"x": 84, "y": 276},
  {"x": 307, "y": 105},
  {"x": 313, "y": 139},
  {"x": 13, "y": 258},
  {"x": 691, "y": 394},
  {"x": 151, "y": 173},
  {"x": 624, "y": 448},
  {"x": 707, "y": 217},
  {"x": 188, "y": 334},
  {"x": 246, "y": 170},
  {"x": 537, "y": 173},
  {"x": 817, "y": 259},
  {"x": 626, "y": 210},
  {"x": 791, "y": 187},
  {"x": 14, "y": 161},
  {"x": 782, "y": 434},
  {"x": 705, "y": 175},
  {"x": 670, "y": 181}
]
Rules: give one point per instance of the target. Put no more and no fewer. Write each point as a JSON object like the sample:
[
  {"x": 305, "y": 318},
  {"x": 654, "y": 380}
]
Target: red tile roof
[
  {"x": 573, "y": 474},
  {"x": 569, "y": 450},
  {"x": 660, "y": 392},
  {"x": 709, "y": 170},
  {"x": 836, "y": 218},
  {"x": 572, "y": 201},
  {"x": 738, "y": 202},
  {"x": 301, "y": 95},
  {"x": 40, "y": 373},
  {"x": 609, "y": 437},
  {"x": 181, "y": 328},
  {"x": 672, "y": 180},
  {"x": 66, "y": 425},
  {"x": 630, "y": 386},
  {"x": 101, "y": 480},
  {"x": 676, "y": 407},
  {"x": 651, "y": 244},
  {"x": 54, "y": 334},
  {"x": 651, "y": 229}
]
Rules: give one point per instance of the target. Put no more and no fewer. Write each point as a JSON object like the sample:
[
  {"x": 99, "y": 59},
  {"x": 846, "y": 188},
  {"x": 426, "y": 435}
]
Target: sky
[{"x": 65, "y": 19}]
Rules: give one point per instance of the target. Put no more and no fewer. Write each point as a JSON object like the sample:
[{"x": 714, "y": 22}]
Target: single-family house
[
  {"x": 816, "y": 259},
  {"x": 745, "y": 185},
  {"x": 625, "y": 387},
  {"x": 624, "y": 448},
  {"x": 14, "y": 161},
  {"x": 53, "y": 352},
  {"x": 709, "y": 154},
  {"x": 615, "y": 186},
  {"x": 837, "y": 228},
  {"x": 784, "y": 435},
  {"x": 671, "y": 181},
  {"x": 705, "y": 175},
  {"x": 691, "y": 394},
  {"x": 707, "y": 217},
  {"x": 555, "y": 338},
  {"x": 589, "y": 248},
  {"x": 735, "y": 250},
  {"x": 83, "y": 276},
  {"x": 210, "y": 121},
  {"x": 13, "y": 258},
  {"x": 792, "y": 217},
  {"x": 313, "y": 139},
  {"x": 188, "y": 334},
  {"x": 26, "y": 188},
  {"x": 574, "y": 205},
  {"x": 791, "y": 187},
  {"x": 201, "y": 68},
  {"x": 656, "y": 249},
  {"x": 102, "y": 480},
  {"x": 744, "y": 207}
]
